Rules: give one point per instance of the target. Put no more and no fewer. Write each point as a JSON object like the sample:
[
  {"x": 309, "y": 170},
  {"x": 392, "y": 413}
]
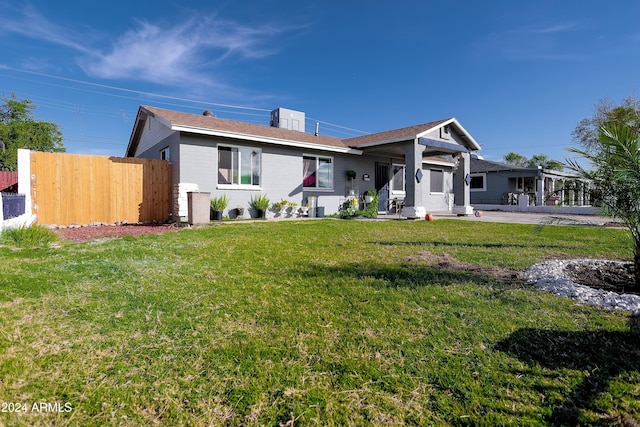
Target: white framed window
[
  {"x": 436, "y": 181},
  {"x": 478, "y": 182},
  {"x": 398, "y": 179},
  {"x": 239, "y": 166},
  {"x": 317, "y": 172},
  {"x": 165, "y": 154}
]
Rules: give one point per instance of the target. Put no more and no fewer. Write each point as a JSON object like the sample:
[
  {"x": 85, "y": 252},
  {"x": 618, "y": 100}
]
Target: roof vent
[{"x": 208, "y": 113}]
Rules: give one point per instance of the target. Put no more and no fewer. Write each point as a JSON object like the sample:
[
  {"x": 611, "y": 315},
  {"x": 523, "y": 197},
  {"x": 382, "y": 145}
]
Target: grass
[
  {"x": 312, "y": 323},
  {"x": 28, "y": 237}
]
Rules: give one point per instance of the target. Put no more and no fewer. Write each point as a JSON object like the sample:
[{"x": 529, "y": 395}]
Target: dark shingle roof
[
  {"x": 480, "y": 165},
  {"x": 402, "y": 134},
  {"x": 196, "y": 121}
]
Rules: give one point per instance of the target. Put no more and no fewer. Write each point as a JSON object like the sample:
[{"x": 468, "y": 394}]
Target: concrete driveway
[{"x": 523, "y": 218}]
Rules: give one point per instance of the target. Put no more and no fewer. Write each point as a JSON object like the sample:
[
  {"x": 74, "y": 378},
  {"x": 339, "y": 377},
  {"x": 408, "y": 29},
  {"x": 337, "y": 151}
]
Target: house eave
[
  {"x": 266, "y": 140},
  {"x": 385, "y": 142}
]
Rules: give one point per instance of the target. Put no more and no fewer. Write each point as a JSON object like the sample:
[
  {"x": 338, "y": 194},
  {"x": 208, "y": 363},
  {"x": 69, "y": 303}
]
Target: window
[
  {"x": 397, "y": 181},
  {"x": 525, "y": 184},
  {"x": 317, "y": 172},
  {"x": 165, "y": 154},
  {"x": 436, "y": 184},
  {"x": 238, "y": 166},
  {"x": 444, "y": 132},
  {"x": 477, "y": 182}
]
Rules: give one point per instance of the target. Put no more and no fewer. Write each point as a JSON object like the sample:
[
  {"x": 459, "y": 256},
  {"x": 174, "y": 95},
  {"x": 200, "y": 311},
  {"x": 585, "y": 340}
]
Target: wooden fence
[{"x": 79, "y": 189}]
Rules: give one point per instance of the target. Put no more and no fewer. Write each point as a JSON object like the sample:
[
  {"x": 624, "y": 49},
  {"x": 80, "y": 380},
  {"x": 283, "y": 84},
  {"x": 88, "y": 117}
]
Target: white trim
[
  {"x": 237, "y": 186},
  {"x": 402, "y": 192},
  {"x": 333, "y": 175},
  {"x": 438, "y": 163},
  {"x": 474, "y": 146},
  {"x": 268, "y": 140},
  {"x": 165, "y": 150}
]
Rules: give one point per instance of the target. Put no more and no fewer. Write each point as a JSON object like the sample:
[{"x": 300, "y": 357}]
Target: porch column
[
  {"x": 580, "y": 190},
  {"x": 540, "y": 182},
  {"x": 414, "y": 203},
  {"x": 462, "y": 195},
  {"x": 587, "y": 194},
  {"x": 571, "y": 194}
]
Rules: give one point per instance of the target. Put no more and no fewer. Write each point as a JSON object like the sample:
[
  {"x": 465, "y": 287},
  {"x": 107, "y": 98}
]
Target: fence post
[{"x": 24, "y": 183}]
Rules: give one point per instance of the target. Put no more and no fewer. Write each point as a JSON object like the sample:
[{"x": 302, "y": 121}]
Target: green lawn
[{"x": 330, "y": 322}]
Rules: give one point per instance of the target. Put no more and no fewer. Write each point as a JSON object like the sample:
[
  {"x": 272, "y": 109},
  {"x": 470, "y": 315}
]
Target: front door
[{"x": 382, "y": 185}]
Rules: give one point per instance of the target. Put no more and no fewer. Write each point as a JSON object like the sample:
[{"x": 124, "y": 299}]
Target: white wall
[{"x": 24, "y": 187}]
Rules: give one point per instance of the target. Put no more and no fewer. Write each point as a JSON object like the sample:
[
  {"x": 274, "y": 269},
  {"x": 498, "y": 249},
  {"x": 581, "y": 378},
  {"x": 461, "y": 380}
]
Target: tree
[
  {"x": 544, "y": 161},
  {"x": 615, "y": 159},
  {"x": 19, "y": 129},
  {"x": 515, "y": 159},
  {"x": 587, "y": 131}
]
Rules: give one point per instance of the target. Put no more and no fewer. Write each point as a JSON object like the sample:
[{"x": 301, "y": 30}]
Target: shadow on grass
[
  {"x": 409, "y": 275},
  {"x": 601, "y": 355},
  {"x": 464, "y": 244}
]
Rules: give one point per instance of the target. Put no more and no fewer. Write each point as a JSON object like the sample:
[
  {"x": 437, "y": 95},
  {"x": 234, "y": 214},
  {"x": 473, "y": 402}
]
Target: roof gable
[{"x": 396, "y": 135}]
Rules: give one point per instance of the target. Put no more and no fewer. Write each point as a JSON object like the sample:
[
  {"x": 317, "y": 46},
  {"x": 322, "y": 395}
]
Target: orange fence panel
[{"x": 79, "y": 189}]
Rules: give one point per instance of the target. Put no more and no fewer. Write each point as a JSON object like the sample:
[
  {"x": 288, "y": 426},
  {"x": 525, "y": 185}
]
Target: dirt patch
[
  {"x": 445, "y": 261},
  {"x": 83, "y": 234},
  {"x": 610, "y": 276}
]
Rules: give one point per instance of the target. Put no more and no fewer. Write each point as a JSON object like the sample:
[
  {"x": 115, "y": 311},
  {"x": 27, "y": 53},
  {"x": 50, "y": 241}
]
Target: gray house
[
  {"x": 495, "y": 183},
  {"x": 417, "y": 169}
]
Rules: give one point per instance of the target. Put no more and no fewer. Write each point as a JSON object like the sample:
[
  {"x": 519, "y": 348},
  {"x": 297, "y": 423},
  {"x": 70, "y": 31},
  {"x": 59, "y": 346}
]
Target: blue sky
[{"x": 518, "y": 75}]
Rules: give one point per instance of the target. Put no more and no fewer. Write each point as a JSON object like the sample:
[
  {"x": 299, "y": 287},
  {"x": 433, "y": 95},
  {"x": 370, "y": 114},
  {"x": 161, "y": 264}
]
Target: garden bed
[{"x": 83, "y": 234}]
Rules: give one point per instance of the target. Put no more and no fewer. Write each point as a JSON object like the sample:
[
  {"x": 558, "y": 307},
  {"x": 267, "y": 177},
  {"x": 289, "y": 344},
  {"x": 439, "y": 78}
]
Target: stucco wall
[
  {"x": 281, "y": 174},
  {"x": 195, "y": 160},
  {"x": 153, "y": 131}
]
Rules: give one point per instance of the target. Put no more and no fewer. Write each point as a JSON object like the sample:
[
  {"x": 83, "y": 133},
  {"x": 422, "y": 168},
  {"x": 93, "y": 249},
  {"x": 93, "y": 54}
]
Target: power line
[
  {"x": 195, "y": 103},
  {"x": 137, "y": 92}
]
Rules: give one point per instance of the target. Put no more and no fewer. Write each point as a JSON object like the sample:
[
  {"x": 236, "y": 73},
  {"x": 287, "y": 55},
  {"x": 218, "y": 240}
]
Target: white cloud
[
  {"x": 558, "y": 28},
  {"x": 186, "y": 53},
  {"x": 181, "y": 53},
  {"x": 29, "y": 23},
  {"x": 550, "y": 43}
]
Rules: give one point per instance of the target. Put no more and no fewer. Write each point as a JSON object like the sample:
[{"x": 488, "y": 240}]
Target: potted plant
[
  {"x": 260, "y": 203},
  {"x": 304, "y": 209},
  {"x": 294, "y": 207},
  {"x": 218, "y": 204},
  {"x": 239, "y": 211},
  {"x": 280, "y": 206},
  {"x": 369, "y": 195},
  {"x": 351, "y": 174}
]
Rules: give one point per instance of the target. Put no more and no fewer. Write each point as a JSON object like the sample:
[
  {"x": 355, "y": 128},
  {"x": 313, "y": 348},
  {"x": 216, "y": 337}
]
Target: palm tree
[{"x": 616, "y": 174}]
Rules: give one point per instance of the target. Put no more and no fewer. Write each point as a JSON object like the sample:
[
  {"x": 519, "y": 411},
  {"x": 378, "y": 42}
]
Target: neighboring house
[
  {"x": 494, "y": 183},
  {"x": 9, "y": 181},
  {"x": 412, "y": 167}
]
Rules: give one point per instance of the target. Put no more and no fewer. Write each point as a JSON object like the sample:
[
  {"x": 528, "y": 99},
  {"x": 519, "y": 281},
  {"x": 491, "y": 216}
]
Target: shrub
[
  {"x": 28, "y": 237},
  {"x": 260, "y": 202},
  {"x": 219, "y": 203}
]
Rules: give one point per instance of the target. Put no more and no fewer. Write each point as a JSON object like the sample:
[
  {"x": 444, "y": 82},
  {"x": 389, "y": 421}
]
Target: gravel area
[{"x": 554, "y": 276}]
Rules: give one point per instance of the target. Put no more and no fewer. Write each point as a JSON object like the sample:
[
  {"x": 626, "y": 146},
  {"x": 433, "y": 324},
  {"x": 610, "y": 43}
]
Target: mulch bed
[{"x": 83, "y": 234}]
